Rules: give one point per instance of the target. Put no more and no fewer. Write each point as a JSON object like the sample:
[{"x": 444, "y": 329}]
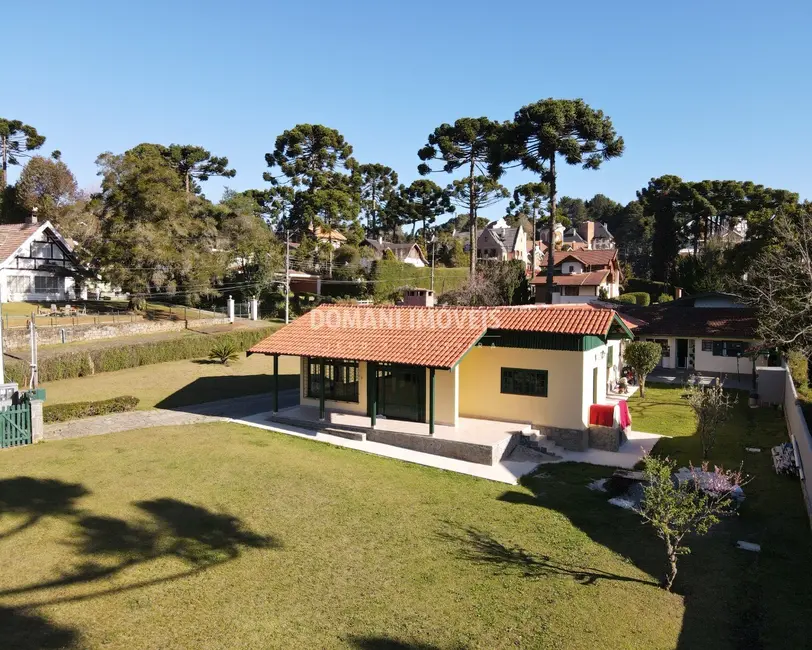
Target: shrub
[
  {"x": 81, "y": 364},
  {"x": 77, "y": 410},
  {"x": 711, "y": 406},
  {"x": 664, "y": 297},
  {"x": 640, "y": 297},
  {"x": 223, "y": 352},
  {"x": 651, "y": 287},
  {"x": 798, "y": 368},
  {"x": 627, "y": 298},
  {"x": 643, "y": 356}
]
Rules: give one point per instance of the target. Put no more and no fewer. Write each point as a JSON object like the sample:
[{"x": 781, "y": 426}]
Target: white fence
[{"x": 799, "y": 431}]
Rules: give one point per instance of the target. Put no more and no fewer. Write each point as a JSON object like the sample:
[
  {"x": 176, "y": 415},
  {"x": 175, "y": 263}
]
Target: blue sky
[{"x": 699, "y": 89}]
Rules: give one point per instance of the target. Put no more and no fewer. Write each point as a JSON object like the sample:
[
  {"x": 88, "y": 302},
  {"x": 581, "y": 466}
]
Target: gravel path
[
  {"x": 117, "y": 422},
  {"x": 218, "y": 411}
]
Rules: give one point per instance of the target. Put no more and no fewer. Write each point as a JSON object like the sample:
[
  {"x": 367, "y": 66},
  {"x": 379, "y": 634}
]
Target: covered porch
[{"x": 484, "y": 442}]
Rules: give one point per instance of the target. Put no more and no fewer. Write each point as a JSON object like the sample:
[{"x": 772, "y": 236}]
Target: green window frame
[
  {"x": 524, "y": 381},
  {"x": 341, "y": 380},
  {"x": 610, "y": 357}
]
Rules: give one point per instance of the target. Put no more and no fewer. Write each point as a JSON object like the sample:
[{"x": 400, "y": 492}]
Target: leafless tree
[{"x": 779, "y": 282}]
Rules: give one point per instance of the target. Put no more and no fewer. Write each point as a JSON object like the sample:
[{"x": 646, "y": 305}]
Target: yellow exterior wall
[
  {"x": 446, "y": 396},
  {"x": 359, "y": 407},
  {"x": 568, "y": 394}
]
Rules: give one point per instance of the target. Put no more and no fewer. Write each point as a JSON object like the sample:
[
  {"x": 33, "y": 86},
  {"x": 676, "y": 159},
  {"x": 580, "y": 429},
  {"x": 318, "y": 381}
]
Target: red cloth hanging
[
  {"x": 625, "y": 416},
  {"x": 602, "y": 415}
]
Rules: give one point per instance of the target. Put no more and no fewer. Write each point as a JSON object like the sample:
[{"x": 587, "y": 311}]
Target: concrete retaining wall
[
  {"x": 799, "y": 430},
  {"x": 18, "y": 338},
  {"x": 605, "y": 438},
  {"x": 569, "y": 439}
]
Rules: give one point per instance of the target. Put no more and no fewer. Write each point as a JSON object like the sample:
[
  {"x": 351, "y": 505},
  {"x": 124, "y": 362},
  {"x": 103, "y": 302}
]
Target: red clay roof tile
[{"x": 425, "y": 336}]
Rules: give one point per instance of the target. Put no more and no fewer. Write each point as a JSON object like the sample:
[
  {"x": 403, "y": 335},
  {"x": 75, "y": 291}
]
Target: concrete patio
[{"x": 479, "y": 441}]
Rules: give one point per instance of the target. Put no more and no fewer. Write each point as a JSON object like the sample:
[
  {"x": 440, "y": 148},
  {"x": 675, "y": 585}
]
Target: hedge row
[
  {"x": 651, "y": 287},
  {"x": 76, "y": 410},
  {"x": 636, "y": 298},
  {"x": 82, "y": 364}
]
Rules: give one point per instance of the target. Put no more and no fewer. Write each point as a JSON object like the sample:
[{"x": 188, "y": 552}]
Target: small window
[
  {"x": 663, "y": 343},
  {"x": 19, "y": 284},
  {"x": 610, "y": 357},
  {"x": 728, "y": 348},
  {"x": 707, "y": 346},
  {"x": 524, "y": 381},
  {"x": 572, "y": 268},
  {"x": 341, "y": 380},
  {"x": 570, "y": 291}
]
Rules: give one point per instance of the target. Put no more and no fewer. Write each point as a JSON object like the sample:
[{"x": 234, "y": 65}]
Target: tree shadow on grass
[
  {"x": 108, "y": 546},
  {"x": 35, "y": 498},
  {"x": 25, "y": 631},
  {"x": 480, "y": 547}
]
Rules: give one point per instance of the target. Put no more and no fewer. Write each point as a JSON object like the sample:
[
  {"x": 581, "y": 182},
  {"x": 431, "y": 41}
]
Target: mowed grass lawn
[
  {"x": 179, "y": 383},
  {"x": 734, "y": 598},
  {"x": 224, "y": 536}
]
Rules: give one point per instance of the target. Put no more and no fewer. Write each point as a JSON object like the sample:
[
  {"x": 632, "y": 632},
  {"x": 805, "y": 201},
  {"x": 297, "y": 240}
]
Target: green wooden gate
[{"x": 15, "y": 425}]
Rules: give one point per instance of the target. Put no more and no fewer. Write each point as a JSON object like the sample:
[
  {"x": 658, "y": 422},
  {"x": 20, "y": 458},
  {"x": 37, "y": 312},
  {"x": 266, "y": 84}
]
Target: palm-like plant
[{"x": 223, "y": 352}]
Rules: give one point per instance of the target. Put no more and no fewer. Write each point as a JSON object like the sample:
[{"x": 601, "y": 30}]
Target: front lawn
[
  {"x": 224, "y": 536},
  {"x": 179, "y": 383},
  {"x": 760, "y": 600}
]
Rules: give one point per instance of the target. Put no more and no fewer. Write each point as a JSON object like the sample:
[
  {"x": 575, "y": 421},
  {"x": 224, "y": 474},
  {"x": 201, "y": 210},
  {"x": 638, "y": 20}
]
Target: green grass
[
  {"x": 223, "y": 536},
  {"x": 178, "y": 383},
  {"x": 759, "y": 600}
]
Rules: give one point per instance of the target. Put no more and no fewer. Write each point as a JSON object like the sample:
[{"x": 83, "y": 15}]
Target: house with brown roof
[
  {"x": 408, "y": 253},
  {"x": 36, "y": 263},
  {"x": 711, "y": 333},
  {"x": 471, "y": 376},
  {"x": 580, "y": 276}
]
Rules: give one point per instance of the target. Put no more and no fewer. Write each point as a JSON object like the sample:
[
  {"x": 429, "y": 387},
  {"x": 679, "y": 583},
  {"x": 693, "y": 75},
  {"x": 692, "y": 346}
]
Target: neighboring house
[
  {"x": 596, "y": 235},
  {"x": 502, "y": 243},
  {"x": 710, "y": 333},
  {"x": 409, "y": 253},
  {"x": 541, "y": 247},
  {"x": 573, "y": 241},
  {"x": 539, "y": 365},
  {"x": 334, "y": 237},
  {"x": 580, "y": 276},
  {"x": 544, "y": 234},
  {"x": 37, "y": 264}
]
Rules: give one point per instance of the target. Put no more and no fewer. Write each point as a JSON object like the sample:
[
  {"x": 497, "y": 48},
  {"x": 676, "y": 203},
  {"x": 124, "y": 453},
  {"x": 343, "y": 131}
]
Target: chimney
[
  {"x": 587, "y": 231},
  {"x": 31, "y": 219},
  {"x": 419, "y": 298}
]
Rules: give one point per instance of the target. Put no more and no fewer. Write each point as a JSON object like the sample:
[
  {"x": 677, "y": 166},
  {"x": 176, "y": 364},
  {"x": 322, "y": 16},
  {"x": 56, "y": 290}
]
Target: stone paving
[{"x": 117, "y": 422}]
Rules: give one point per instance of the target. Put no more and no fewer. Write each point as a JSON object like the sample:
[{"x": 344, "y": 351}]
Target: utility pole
[
  {"x": 2, "y": 364},
  {"x": 287, "y": 276},
  {"x": 433, "y": 246},
  {"x": 32, "y": 331}
]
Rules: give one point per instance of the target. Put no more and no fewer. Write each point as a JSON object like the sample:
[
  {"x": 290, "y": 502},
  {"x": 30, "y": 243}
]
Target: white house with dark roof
[
  {"x": 580, "y": 276},
  {"x": 36, "y": 263},
  {"x": 408, "y": 253}
]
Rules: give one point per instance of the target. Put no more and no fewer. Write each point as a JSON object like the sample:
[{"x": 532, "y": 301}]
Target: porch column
[
  {"x": 275, "y": 383},
  {"x": 431, "y": 401},
  {"x": 372, "y": 392},
  {"x": 321, "y": 389}
]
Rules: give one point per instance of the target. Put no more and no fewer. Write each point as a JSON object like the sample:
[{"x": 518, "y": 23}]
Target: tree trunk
[
  {"x": 533, "y": 250},
  {"x": 187, "y": 182},
  {"x": 668, "y": 583},
  {"x": 642, "y": 381},
  {"x": 4, "y": 145},
  {"x": 472, "y": 219},
  {"x": 551, "y": 248},
  {"x": 373, "y": 214}
]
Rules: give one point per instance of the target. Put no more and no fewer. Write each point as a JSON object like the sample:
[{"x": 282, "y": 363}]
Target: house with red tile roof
[
  {"x": 540, "y": 366},
  {"x": 712, "y": 334},
  {"x": 580, "y": 276},
  {"x": 36, "y": 263}
]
